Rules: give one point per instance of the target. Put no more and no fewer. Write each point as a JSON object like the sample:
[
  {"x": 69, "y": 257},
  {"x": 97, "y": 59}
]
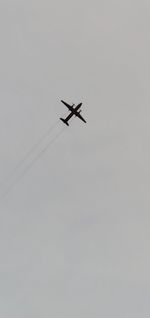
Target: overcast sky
[{"x": 74, "y": 232}]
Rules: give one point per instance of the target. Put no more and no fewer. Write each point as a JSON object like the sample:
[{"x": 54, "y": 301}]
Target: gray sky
[{"x": 74, "y": 233}]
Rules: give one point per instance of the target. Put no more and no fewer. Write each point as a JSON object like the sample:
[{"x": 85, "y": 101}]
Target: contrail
[
  {"x": 30, "y": 152},
  {"x": 29, "y": 166}
]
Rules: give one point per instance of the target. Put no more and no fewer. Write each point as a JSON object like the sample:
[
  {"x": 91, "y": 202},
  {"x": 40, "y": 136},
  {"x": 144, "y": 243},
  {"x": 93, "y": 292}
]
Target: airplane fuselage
[{"x": 74, "y": 111}]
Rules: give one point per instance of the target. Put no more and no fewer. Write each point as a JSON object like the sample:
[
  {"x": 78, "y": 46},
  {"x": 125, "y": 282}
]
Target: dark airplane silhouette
[{"x": 74, "y": 111}]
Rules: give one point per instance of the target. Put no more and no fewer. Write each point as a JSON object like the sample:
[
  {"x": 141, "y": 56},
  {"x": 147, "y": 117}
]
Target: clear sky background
[{"x": 74, "y": 232}]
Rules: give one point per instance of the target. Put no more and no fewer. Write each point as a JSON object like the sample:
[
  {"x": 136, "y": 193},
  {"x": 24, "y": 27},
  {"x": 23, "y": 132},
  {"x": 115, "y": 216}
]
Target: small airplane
[{"x": 74, "y": 111}]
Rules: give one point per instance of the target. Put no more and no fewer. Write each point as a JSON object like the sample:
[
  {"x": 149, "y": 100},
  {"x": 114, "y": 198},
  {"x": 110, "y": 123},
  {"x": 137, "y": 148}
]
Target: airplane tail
[{"x": 64, "y": 121}]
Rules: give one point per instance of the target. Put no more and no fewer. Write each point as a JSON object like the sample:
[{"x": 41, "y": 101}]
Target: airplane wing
[
  {"x": 78, "y": 115},
  {"x": 67, "y": 105}
]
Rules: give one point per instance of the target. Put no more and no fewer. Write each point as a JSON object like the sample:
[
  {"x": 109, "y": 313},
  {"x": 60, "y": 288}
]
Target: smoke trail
[
  {"x": 29, "y": 166},
  {"x": 29, "y": 153}
]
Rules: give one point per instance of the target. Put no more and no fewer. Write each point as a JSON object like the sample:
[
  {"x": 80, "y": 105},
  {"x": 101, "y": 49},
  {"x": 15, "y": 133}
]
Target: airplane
[{"x": 74, "y": 111}]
